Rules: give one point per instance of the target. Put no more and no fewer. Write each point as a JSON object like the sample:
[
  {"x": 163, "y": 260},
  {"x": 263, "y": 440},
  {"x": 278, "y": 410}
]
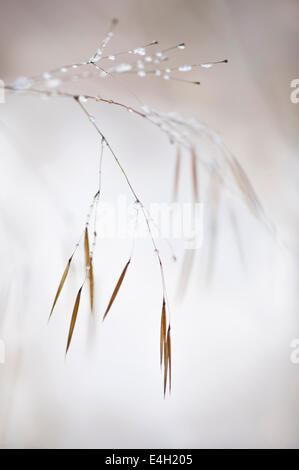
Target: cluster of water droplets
[
  {"x": 141, "y": 62},
  {"x": 21, "y": 83}
]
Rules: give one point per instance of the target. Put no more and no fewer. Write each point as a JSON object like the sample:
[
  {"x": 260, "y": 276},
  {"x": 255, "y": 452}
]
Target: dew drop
[
  {"x": 22, "y": 83},
  {"x": 206, "y": 66},
  {"x": 82, "y": 99},
  {"x": 141, "y": 73},
  {"x": 185, "y": 68},
  {"x": 111, "y": 57},
  {"x": 53, "y": 83},
  {"x": 123, "y": 68},
  {"x": 139, "y": 51}
]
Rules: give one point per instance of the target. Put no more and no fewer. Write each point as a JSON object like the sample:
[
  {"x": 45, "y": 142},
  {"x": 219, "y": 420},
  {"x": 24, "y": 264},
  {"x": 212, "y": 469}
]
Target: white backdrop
[{"x": 233, "y": 382}]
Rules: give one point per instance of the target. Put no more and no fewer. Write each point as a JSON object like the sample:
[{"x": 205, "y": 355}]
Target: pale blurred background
[{"x": 233, "y": 382}]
